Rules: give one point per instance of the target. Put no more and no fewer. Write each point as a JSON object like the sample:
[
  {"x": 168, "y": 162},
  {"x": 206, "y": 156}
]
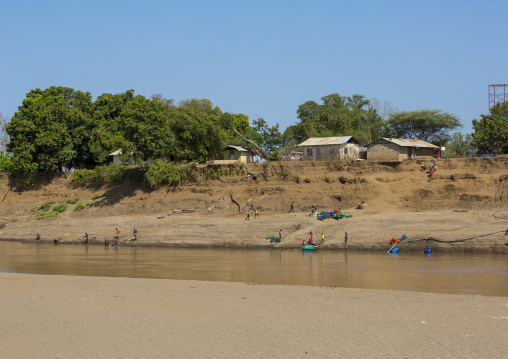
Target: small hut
[
  {"x": 238, "y": 153},
  {"x": 116, "y": 158}
]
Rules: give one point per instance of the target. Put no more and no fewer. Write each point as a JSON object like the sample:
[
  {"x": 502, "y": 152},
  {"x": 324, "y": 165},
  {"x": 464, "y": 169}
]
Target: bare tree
[
  {"x": 4, "y": 137},
  {"x": 383, "y": 109}
]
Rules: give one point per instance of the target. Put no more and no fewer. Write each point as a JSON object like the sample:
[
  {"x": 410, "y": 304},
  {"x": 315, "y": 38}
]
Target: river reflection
[{"x": 445, "y": 273}]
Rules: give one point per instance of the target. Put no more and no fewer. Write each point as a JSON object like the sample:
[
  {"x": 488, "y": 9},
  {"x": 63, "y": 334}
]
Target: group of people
[
  {"x": 117, "y": 237},
  {"x": 310, "y": 241},
  {"x": 256, "y": 214},
  {"x": 432, "y": 167},
  {"x": 106, "y": 242},
  {"x": 135, "y": 233}
]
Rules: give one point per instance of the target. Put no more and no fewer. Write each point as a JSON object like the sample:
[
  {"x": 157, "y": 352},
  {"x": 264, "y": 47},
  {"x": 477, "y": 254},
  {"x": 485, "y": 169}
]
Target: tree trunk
[
  {"x": 235, "y": 202},
  {"x": 257, "y": 150}
]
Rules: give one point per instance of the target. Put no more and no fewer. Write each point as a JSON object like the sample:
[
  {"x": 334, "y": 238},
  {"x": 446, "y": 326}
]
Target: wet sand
[{"x": 83, "y": 317}]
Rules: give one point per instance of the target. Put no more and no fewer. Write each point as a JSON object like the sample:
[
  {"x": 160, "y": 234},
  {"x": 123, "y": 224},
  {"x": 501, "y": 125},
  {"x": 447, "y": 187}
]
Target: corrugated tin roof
[
  {"x": 422, "y": 143},
  {"x": 116, "y": 153},
  {"x": 323, "y": 141},
  {"x": 238, "y": 148},
  {"x": 407, "y": 143}
]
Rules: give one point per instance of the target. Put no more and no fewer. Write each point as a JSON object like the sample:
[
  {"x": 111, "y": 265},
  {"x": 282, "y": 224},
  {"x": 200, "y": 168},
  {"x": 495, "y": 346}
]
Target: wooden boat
[{"x": 309, "y": 247}]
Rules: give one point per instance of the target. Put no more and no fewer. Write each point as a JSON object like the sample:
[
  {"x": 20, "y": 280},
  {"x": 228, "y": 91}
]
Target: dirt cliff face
[{"x": 460, "y": 184}]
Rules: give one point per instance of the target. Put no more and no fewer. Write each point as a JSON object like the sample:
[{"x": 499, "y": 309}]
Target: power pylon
[{"x": 497, "y": 93}]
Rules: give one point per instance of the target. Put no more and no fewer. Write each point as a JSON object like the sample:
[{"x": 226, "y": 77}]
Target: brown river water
[{"x": 440, "y": 273}]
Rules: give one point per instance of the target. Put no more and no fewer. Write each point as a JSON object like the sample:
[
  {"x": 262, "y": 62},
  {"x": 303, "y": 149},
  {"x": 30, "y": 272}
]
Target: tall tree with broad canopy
[
  {"x": 49, "y": 129},
  {"x": 108, "y": 125},
  {"x": 491, "y": 131},
  {"x": 146, "y": 128},
  {"x": 431, "y": 126},
  {"x": 198, "y": 134},
  {"x": 336, "y": 116}
]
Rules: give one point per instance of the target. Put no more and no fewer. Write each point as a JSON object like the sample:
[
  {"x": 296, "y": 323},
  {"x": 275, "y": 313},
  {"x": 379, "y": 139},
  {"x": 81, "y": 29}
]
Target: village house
[
  {"x": 397, "y": 149},
  {"x": 238, "y": 153},
  {"x": 116, "y": 158},
  {"x": 328, "y": 148}
]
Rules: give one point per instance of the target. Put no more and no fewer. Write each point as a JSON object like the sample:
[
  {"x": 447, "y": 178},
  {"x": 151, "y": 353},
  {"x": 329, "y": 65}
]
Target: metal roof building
[
  {"x": 327, "y": 148},
  {"x": 398, "y": 149}
]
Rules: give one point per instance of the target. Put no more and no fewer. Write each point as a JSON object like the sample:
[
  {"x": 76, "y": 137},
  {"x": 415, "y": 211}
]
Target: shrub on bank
[
  {"x": 62, "y": 207},
  {"x": 43, "y": 208},
  {"x": 112, "y": 173},
  {"x": 160, "y": 173},
  {"x": 47, "y": 214},
  {"x": 6, "y": 164}
]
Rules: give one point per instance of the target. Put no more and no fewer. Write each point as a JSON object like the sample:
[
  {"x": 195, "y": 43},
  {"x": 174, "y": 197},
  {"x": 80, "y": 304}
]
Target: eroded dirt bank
[{"x": 465, "y": 198}]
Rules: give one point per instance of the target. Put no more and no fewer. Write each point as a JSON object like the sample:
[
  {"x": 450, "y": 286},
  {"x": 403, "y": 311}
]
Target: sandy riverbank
[
  {"x": 366, "y": 231},
  {"x": 84, "y": 317},
  {"x": 465, "y": 198}
]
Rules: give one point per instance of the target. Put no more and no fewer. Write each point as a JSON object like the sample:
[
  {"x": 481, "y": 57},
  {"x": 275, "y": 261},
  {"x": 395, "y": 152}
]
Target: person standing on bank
[
  {"x": 292, "y": 208},
  {"x": 256, "y": 214},
  {"x": 248, "y": 214}
]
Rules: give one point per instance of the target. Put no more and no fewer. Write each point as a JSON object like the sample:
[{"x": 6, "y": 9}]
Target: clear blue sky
[{"x": 260, "y": 58}]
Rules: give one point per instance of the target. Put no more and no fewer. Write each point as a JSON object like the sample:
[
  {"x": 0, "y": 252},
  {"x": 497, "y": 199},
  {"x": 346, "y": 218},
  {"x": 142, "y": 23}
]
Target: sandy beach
[{"x": 89, "y": 317}]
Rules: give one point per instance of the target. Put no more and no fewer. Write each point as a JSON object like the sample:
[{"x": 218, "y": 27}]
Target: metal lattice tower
[{"x": 497, "y": 93}]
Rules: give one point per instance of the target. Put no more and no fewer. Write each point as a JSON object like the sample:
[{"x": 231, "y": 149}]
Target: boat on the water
[{"x": 309, "y": 247}]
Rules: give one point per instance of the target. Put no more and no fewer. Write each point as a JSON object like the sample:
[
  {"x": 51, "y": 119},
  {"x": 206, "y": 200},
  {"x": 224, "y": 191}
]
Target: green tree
[
  {"x": 6, "y": 164},
  {"x": 107, "y": 133},
  {"x": 146, "y": 127},
  {"x": 336, "y": 116},
  {"x": 43, "y": 131},
  {"x": 197, "y": 131},
  {"x": 432, "y": 126},
  {"x": 270, "y": 135},
  {"x": 461, "y": 145},
  {"x": 491, "y": 131}
]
